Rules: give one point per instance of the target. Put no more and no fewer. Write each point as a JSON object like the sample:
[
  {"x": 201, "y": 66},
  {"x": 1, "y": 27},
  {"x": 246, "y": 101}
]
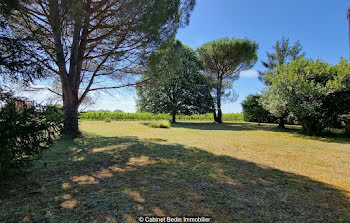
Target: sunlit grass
[{"x": 234, "y": 172}]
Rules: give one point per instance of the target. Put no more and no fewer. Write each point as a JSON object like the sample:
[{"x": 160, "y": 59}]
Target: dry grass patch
[{"x": 235, "y": 172}]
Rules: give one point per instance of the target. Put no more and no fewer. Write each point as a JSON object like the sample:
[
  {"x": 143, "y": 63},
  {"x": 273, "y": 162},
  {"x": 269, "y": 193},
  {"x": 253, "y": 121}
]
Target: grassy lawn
[{"x": 235, "y": 172}]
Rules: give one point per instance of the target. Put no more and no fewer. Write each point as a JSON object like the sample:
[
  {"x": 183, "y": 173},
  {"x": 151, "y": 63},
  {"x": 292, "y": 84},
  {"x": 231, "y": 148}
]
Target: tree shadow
[
  {"x": 250, "y": 126},
  {"x": 118, "y": 179},
  {"x": 234, "y": 126}
]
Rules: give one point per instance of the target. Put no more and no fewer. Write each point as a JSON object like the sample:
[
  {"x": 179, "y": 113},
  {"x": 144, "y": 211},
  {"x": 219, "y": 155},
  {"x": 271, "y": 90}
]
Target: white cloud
[{"x": 249, "y": 74}]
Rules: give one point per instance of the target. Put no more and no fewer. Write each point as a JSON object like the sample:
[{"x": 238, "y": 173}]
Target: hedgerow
[{"x": 122, "y": 116}]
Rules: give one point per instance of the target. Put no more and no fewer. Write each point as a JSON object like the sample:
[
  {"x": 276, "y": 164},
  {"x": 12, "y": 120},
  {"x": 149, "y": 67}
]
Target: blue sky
[{"x": 320, "y": 25}]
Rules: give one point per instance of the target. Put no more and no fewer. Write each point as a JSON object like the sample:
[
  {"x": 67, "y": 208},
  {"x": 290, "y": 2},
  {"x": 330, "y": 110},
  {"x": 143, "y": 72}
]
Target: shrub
[
  {"x": 253, "y": 111},
  {"x": 315, "y": 92},
  {"x": 24, "y": 133},
  {"x": 160, "y": 124}
]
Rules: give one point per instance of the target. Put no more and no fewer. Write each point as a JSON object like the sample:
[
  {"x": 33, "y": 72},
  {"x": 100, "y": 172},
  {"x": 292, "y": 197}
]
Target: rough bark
[{"x": 71, "y": 105}]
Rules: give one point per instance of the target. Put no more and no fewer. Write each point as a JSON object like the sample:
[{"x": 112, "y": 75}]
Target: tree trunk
[
  {"x": 219, "y": 115},
  {"x": 218, "y": 104},
  {"x": 70, "y": 106},
  {"x": 281, "y": 123},
  {"x": 214, "y": 113},
  {"x": 174, "y": 118}
]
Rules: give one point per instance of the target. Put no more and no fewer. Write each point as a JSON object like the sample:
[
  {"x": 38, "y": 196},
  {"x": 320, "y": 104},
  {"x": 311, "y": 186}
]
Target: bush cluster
[
  {"x": 25, "y": 131},
  {"x": 313, "y": 92},
  {"x": 160, "y": 124},
  {"x": 254, "y": 112}
]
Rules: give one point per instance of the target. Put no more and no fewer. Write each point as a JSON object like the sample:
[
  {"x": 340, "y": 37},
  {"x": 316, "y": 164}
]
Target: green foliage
[
  {"x": 54, "y": 113},
  {"x": 145, "y": 116},
  {"x": 223, "y": 60},
  {"x": 253, "y": 111},
  {"x": 183, "y": 91},
  {"x": 160, "y": 124},
  {"x": 24, "y": 133},
  {"x": 283, "y": 54},
  {"x": 315, "y": 92},
  {"x": 275, "y": 103},
  {"x": 16, "y": 57},
  {"x": 7, "y": 6},
  {"x": 232, "y": 55}
]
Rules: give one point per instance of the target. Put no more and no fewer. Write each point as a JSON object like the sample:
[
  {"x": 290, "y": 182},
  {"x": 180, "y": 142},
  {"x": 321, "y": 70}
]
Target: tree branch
[{"x": 122, "y": 86}]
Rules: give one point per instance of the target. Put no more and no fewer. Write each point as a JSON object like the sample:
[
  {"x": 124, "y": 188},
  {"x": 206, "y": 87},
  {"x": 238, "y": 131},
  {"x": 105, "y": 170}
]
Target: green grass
[
  {"x": 121, "y": 116},
  {"x": 234, "y": 172},
  {"x": 160, "y": 124}
]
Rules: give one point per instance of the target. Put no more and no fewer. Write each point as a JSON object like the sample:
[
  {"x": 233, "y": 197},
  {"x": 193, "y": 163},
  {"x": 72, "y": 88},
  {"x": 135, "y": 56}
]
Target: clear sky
[{"x": 320, "y": 25}]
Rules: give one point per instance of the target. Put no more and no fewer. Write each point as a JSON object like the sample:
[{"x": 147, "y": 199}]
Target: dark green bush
[
  {"x": 254, "y": 112},
  {"x": 25, "y": 131}
]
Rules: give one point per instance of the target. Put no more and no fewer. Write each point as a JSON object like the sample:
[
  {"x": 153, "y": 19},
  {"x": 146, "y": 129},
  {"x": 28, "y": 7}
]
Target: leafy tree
[
  {"x": 253, "y": 111},
  {"x": 277, "y": 105},
  {"x": 185, "y": 91},
  {"x": 224, "y": 59},
  {"x": 91, "y": 45},
  {"x": 283, "y": 53},
  {"x": 338, "y": 101},
  {"x": 316, "y": 92}
]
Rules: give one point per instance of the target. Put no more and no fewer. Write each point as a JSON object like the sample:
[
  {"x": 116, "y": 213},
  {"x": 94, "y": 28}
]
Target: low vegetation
[
  {"x": 160, "y": 124},
  {"x": 234, "y": 172},
  {"x": 145, "y": 116}
]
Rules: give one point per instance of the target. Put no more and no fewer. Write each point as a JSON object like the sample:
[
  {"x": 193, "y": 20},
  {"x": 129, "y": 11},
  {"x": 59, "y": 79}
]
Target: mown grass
[{"x": 234, "y": 172}]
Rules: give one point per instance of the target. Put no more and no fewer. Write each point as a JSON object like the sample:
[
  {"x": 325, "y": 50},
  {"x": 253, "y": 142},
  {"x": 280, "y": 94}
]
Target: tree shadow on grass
[
  {"x": 234, "y": 126},
  {"x": 250, "y": 126},
  {"x": 118, "y": 179}
]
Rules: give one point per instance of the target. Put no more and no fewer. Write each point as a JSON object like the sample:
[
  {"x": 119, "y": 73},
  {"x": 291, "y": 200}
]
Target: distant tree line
[{"x": 145, "y": 116}]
